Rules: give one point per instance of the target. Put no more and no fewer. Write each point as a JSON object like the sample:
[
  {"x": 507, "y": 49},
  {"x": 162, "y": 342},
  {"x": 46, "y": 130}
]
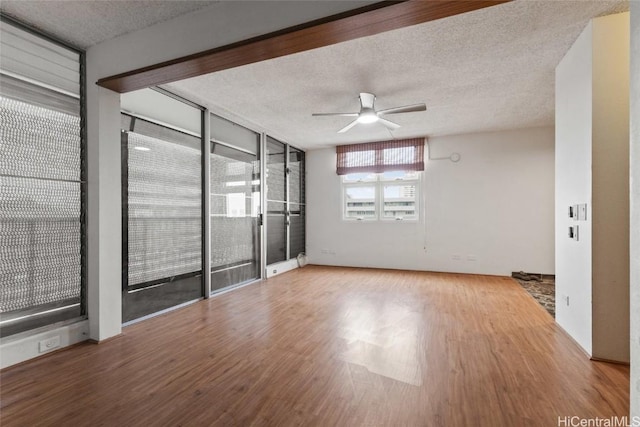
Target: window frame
[
  {"x": 35, "y": 318},
  {"x": 379, "y": 184}
]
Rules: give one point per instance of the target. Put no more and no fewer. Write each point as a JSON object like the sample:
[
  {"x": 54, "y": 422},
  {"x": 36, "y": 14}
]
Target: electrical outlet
[
  {"x": 573, "y": 232},
  {"x": 49, "y": 344}
]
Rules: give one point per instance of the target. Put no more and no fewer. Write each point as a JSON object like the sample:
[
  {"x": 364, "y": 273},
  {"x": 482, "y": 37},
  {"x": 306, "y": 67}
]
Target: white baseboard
[
  {"x": 25, "y": 346},
  {"x": 281, "y": 267}
]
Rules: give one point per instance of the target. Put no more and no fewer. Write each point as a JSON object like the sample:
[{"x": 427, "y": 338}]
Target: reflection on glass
[
  {"x": 399, "y": 201},
  {"x": 360, "y": 202}
]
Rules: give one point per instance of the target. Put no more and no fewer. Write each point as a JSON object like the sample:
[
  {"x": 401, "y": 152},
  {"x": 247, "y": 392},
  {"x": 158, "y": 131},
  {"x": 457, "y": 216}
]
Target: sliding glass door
[
  {"x": 161, "y": 210},
  {"x": 277, "y": 215},
  {"x": 285, "y": 202},
  {"x": 234, "y": 204}
]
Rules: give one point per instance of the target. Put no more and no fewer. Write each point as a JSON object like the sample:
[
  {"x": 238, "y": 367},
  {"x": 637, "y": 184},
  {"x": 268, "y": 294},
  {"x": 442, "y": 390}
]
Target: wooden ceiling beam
[{"x": 362, "y": 22}]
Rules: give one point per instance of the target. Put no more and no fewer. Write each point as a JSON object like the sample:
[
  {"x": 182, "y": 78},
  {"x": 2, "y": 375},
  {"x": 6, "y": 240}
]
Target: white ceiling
[
  {"x": 84, "y": 23},
  {"x": 487, "y": 70}
]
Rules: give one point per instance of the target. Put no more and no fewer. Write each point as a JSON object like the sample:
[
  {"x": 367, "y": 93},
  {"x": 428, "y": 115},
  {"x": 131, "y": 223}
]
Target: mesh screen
[
  {"x": 276, "y": 232},
  {"x": 276, "y": 185},
  {"x": 38, "y": 142},
  {"x": 297, "y": 240},
  {"x": 235, "y": 204},
  {"x": 40, "y": 235},
  {"x": 296, "y": 176},
  {"x": 164, "y": 208}
]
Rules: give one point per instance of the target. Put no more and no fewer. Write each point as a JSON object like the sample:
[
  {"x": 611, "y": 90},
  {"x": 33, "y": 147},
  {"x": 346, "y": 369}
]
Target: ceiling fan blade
[
  {"x": 405, "y": 109},
  {"x": 367, "y": 100},
  {"x": 336, "y": 114},
  {"x": 349, "y": 126},
  {"x": 390, "y": 125}
]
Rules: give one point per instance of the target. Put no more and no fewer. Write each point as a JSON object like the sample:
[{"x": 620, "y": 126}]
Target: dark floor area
[{"x": 541, "y": 287}]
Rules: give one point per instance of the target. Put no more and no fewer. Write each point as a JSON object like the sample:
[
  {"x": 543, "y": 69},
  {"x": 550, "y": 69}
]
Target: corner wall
[
  {"x": 490, "y": 213},
  {"x": 635, "y": 208},
  {"x": 573, "y": 186},
  {"x": 592, "y": 157}
]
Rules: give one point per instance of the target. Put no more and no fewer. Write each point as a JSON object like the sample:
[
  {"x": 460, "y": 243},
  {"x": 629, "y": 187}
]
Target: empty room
[{"x": 320, "y": 213}]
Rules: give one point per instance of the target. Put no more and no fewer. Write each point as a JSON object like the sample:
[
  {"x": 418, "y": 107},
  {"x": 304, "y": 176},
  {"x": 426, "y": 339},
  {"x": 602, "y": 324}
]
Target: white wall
[
  {"x": 592, "y": 157},
  {"x": 573, "y": 186},
  {"x": 496, "y": 204},
  {"x": 635, "y": 208}
]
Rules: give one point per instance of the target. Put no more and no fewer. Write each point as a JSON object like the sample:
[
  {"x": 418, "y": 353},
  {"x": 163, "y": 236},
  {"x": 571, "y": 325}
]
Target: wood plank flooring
[{"x": 328, "y": 346}]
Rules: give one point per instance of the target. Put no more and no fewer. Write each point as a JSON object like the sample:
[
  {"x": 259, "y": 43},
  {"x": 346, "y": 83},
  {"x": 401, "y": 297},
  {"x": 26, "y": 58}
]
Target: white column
[{"x": 104, "y": 249}]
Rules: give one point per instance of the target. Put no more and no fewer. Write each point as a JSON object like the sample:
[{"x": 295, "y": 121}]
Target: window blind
[{"x": 383, "y": 156}]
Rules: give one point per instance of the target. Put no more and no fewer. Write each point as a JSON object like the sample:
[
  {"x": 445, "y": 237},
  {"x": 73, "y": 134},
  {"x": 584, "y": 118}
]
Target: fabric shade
[{"x": 378, "y": 157}]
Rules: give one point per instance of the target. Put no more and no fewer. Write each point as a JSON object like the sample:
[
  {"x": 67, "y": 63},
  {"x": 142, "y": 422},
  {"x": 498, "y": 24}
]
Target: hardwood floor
[{"x": 328, "y": 346}]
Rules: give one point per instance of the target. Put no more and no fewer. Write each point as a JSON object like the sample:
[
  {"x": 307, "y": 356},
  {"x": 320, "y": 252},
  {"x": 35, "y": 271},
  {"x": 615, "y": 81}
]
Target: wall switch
[
  {"x": 582, "y": 212},
  {"x": 49, "y": 344}
]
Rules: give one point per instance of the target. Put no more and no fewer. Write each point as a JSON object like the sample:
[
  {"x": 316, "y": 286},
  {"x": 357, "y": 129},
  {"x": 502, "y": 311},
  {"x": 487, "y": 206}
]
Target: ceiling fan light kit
[{"x": 368, "y": 113}]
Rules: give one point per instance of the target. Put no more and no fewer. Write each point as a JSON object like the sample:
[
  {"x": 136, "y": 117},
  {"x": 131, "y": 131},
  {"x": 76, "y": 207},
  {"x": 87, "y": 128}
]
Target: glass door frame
[{"x": 208, "y": 249}]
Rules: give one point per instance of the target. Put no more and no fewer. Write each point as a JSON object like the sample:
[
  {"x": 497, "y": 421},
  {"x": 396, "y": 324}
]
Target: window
[
  {"x": 162, "y": 200},
  {"x": 42, "y": 182},
  {"x": 385, "y": 196},
  {"x": 380, "y": 179}
]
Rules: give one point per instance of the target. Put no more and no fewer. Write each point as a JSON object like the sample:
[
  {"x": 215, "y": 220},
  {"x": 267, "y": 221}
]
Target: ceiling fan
[{"x": 368, "y": 113}]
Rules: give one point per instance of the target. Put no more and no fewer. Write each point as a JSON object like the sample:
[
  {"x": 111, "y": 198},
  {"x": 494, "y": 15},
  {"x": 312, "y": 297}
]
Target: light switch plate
[{"x": 582, "y": 212}]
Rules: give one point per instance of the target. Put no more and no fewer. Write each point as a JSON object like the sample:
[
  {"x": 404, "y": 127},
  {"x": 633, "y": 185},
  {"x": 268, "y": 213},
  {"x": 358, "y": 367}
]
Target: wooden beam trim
[{"x": 363, "y": 22}]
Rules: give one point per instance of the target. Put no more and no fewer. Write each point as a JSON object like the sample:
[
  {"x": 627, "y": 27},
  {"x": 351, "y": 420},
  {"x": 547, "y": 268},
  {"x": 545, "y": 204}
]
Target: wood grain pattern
[
  {"x": 328, "y": 346},
  {"x": 380, "y": 17}
]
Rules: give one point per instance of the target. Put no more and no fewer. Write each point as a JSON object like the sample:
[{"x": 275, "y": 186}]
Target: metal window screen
[
  {"x": 235, "y": 204},
  {"x": 40, "y": 205},
  {"x": 164, "y": 206}
]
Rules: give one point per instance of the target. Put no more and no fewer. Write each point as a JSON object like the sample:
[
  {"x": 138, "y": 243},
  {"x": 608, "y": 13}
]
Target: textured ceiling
[
  {"x": 491, "y": 69},
  {"x": 85, "y": 23}
]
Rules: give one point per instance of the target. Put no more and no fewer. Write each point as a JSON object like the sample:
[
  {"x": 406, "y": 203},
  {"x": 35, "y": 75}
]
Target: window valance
[{"x": 378, "y": 157}]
